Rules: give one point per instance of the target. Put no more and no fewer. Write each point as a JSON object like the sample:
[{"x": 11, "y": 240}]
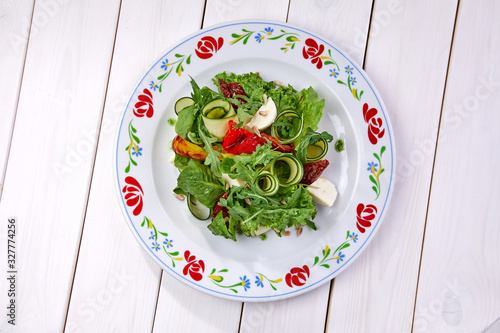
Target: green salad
[{"x": 250, "y": 157}]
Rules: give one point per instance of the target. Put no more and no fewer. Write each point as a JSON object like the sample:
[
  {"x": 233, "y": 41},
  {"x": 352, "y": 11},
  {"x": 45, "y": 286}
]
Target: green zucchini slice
[
  {"x": 200, "y": 211},
  {"x": 266, "y": 183},
  {"x": 288, "y": 126},
  {"x": 216, "y": 115},
  {"x": 182, "y": 103},
  {"x": 287, "y": 169},
  {"x": 317, "y": 151}
]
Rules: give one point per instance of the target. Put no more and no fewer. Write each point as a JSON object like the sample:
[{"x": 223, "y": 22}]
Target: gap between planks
[
  {"x": 7, "y": 153},
  {"x": 92, "y": 169},
  {"x": 332, "y": 283},
  {"x": 434, "y": 162}
]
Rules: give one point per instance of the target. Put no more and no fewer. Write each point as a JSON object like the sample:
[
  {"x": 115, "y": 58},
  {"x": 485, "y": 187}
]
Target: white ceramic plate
[{"x": 252, "y": 269}]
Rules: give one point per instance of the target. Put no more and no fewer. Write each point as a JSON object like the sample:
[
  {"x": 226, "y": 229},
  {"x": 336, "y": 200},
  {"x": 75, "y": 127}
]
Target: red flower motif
[
  {"x": 194, "y": 267},
  {"x": 374, "y": 124},
  {"x": 207, "y": 46},
  {"x": 134, "y": 194},
  {"x": 145, "y": 105},
  {"x": 365, "y": 215},
  {"x": 297, "y": 276},
  {"x": 313, "y": 51}
]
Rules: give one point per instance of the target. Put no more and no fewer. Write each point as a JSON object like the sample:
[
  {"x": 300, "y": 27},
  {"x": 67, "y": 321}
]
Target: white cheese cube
[
  {"x": 233, "y": 182},
  {"x": 172, "y": 158},
  {"x": 264, "y": 116},
  {"x": 323, "y": 192}
]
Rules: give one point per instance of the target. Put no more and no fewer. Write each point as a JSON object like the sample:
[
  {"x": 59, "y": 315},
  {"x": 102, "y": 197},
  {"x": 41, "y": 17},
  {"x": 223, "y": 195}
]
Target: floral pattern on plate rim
[{"x": 193, "y": 267}]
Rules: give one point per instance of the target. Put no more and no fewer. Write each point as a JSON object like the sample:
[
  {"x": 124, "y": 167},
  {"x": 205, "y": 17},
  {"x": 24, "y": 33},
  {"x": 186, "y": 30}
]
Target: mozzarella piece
[
  {"x": 323, "y": 192},
  {"x": 172, "y": 158},
  {"x": 233, "y": 182},
  {"x": 264, "y": 116}
]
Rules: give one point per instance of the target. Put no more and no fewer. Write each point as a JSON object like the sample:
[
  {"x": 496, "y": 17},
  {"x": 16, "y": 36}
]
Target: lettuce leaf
[{"x": 311, "y": 107}]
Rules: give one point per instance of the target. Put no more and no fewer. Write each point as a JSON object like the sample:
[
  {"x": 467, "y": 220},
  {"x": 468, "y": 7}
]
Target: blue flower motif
[
  {"x": 353, "y": 81},
  {"x": 137, "y": 151},
  {"x": 334, "y": 73},
  {"x": 372, "y": 165},
  {"x": 259, "y": 37},
  {"x": 269, "y": 30},
  {"x": 168, "y": 242},
  {"x": 258, "y": 281},
  {"x": 165, "y": 64},
  {"x": 152, "y": 235},
  {"x": 340, "y": 257},
  {"x": 153, "y": 86},
  {"x": 354, "y": 237},
  {"x": 245, "y": 282},
  {"x": 155, "y": 246},
  {"x": 348, "y": 69}
]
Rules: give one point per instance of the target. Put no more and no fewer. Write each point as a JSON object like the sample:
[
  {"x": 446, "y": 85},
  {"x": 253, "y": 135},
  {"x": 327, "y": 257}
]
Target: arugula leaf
[
  {"x": 212, "y": 158},
  {"x": 310, "y": 138},
  {"x": 197, "y": 179},
  {"x": 219, "y": 227},
  {"x": 246, "y": 166},
  {"x": 269, "y": 211},
  {"x": 196, "y": 94}
]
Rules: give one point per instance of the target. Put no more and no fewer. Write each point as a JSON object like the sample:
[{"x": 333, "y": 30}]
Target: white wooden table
[{"x": 66, "y": 69}]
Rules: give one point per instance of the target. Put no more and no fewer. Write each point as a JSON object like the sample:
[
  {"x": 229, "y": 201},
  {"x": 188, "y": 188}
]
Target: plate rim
[{"x": 326, "y": 277}]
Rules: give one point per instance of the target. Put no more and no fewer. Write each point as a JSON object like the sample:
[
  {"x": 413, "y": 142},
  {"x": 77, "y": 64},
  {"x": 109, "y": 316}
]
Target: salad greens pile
[{"x": 248, "y": 209}]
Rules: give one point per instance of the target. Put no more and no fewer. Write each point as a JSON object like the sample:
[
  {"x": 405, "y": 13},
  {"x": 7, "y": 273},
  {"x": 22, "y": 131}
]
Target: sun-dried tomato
[
  {"x": 313, "y": 170},
  {"x": 277, "y": 145},
  {"x": 240, "y": 141},
  {"x": 217, "y": 208},
  {"x": 230, "y": 89}
]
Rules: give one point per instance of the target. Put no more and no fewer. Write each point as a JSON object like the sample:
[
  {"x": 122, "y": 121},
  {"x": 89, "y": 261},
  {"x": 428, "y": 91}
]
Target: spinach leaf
[
  {"x": 197, "y": 179},
  {"x": 185, "y": 121}
]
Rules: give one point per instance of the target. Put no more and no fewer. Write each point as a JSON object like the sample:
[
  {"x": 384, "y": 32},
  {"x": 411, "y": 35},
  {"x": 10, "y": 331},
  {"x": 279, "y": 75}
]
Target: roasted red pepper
[
  {"x": 240, "y": 141},
  {"x": 312, "y": 171}
]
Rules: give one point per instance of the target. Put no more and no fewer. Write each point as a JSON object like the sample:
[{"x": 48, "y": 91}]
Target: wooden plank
[
  {"x": 345, "y": 23},
  {"x": 15, "y": 18},
  {"x": 48, "y": 175},
  {"x": 308, "y": 312},
  {"x": 407, "y": 58},
  {"x": 126, "y": 288},
  {"x": 459, "y": 284}
]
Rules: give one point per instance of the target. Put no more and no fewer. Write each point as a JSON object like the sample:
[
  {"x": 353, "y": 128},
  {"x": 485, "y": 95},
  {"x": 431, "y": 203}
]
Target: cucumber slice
[
  {"x": 183, "y": 103},
  {"x": 287, "y": 169},
  {"x": 317, "y": 151},
  {"x": 266, "y": 183},
  {"x": 216, "y": 115},
  {"x": 200, "y": 211},
  {"x": 288, "y": 126}
]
